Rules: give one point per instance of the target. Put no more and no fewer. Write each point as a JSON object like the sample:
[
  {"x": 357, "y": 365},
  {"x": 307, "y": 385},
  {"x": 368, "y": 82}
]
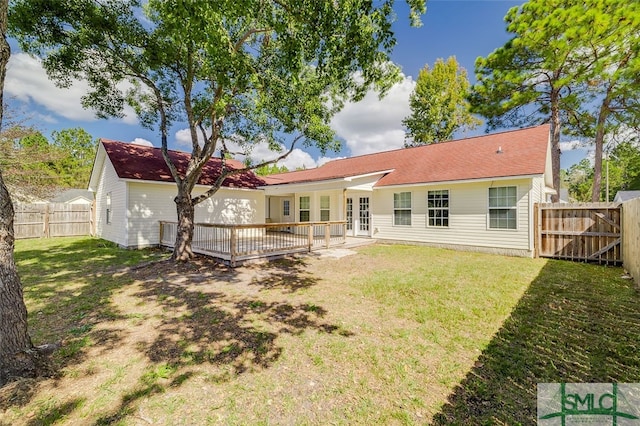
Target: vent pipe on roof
[{"x": 499, "y": 151}]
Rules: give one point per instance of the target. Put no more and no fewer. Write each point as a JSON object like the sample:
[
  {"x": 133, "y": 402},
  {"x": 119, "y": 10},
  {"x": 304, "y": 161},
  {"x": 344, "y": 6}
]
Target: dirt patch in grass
[{"x": 390, "y": 334}]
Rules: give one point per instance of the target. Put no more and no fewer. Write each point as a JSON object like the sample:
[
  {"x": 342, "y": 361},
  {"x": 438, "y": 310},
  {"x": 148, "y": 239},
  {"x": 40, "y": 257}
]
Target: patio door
[
  {"x": 287, "y": 210},
  {"x": 363, "y": 216},
  {"x": 358, "y": 218}
]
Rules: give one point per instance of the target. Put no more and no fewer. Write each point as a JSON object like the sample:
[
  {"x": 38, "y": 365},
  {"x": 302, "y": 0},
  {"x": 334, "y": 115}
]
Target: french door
[{"x": 358, "y": 217}]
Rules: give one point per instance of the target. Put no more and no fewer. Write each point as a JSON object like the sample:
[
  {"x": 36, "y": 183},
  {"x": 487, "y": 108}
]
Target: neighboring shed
[
  {"x": 622, "y": 196},
  {"x": 74, "y": 196}
]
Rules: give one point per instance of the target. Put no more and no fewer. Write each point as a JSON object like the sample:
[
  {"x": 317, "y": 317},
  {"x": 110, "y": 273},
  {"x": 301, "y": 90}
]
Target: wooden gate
[{"x": 583, "y": 232}]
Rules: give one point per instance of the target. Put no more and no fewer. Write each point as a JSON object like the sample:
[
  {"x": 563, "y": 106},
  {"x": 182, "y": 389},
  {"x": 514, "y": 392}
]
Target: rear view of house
[{"x": 473, "y": 194}]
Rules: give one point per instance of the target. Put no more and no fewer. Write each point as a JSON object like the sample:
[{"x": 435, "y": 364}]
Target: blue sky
[{"x": 465, "y": 29}]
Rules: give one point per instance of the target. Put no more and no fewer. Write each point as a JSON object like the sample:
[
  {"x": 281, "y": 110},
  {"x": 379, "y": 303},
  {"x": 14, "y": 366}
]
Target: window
[
  {"x": 305, "y": 205},
  {"x": 402, "y": 208},
  {"x": 324, "y": 208},
  {"x": 349, "y": 214},
  {"x": 286, "y": 208},
  {"x": 502, "y": 207},
  {"x": 438, "y": 208},
  {"x": 109, "y": 207}
]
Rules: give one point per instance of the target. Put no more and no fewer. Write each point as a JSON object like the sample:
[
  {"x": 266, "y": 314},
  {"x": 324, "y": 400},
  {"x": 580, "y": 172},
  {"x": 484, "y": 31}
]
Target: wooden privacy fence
[
  {"x": 583, "y": 232},
  {"x": 631, "y": 237},
  {"x": 52, "y": 220}
]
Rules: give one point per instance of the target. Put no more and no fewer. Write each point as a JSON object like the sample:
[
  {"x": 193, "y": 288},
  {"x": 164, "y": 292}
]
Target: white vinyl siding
[
  {"x": 468, "y": 216},
  {"x": 109, "y": 183},
  {"x": 150, "y": 203}
]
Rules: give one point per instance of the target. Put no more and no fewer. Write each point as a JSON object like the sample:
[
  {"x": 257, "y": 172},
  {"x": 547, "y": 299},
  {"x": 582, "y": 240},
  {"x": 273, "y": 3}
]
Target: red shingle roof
[
  {"x": 523, "y": 153},
  {"x": 133, "y": 161}
]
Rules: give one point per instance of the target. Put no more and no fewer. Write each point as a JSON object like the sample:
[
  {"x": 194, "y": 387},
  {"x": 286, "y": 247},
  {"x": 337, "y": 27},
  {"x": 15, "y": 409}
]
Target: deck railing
[{"x": 236, "y": 243}]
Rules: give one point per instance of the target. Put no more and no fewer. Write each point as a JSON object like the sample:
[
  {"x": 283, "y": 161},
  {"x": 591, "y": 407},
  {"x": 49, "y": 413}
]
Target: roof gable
[
  {"x": 138, "y": 162},
  {"x": 513, "y": 153}
]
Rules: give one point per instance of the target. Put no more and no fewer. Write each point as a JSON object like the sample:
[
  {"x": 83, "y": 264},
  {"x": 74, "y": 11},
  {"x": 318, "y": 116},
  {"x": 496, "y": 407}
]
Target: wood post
[
  {"x": 234, "y": 246},
  {"x": 327, "y": 234}
]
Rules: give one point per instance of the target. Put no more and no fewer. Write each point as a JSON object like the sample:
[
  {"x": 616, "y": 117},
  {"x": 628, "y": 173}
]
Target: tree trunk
[
  {"x": 17, "y": 354},
  {"x": 603, "y": 114},
  {"x": 555, "y": 145},
  {"x": 184, "y": 236},
  {"x": 5, "y": 52}
]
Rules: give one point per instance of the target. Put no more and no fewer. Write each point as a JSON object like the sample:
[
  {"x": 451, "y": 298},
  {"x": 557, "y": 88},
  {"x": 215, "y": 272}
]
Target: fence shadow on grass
[{"x": 575, "y": 323}]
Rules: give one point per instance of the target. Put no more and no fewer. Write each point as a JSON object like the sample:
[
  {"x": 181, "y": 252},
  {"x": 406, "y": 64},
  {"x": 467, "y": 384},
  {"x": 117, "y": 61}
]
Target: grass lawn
[{"x": 388, "y": 335}]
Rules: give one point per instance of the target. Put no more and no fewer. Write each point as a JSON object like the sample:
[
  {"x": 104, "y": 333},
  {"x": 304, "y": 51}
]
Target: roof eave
[
  {"x": 460, "y": 181},
  {"x": 325, "y": 181}
]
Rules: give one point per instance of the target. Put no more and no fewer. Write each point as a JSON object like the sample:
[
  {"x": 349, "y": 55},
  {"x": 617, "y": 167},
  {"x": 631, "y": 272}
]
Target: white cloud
[
  {"x": 260, "y": 152},
  {"x": 141, "y": 141},
  {"x": 183, "y": 138},
  {"x": 27, "y": 81},
  {"x": 373, "y": 124},
  {"x": 325, "y": 160},
  {"x": 571, "y": 145}
]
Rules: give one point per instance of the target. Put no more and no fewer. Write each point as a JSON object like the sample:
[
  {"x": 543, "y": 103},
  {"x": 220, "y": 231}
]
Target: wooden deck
[{"x": 237, "y": 244}]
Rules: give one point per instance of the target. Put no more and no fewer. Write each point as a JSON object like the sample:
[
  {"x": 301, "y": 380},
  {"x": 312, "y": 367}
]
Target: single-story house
[
  {"x": 74, "y": 196},
  {"x": 476, "y": 193}
]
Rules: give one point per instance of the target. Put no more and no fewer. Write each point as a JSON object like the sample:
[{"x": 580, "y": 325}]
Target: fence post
[
  {"x": 233, "y": 246},
  {"x": 161, "y": 232},
  {"x": 327, "y": 234},
  {"x": 45, "y": 221},
  {"x": 310, "y": 237}
]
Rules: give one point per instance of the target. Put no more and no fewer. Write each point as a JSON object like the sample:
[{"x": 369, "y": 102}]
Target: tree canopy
[
  {"x": 244, "y": 70},
  {"x": 36, "y": 168},
  {"x": 439, "y": 105},
  {"x": 546, "y": 72}
]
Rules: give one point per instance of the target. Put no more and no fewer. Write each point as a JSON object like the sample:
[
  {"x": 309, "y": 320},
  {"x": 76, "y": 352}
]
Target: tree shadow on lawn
[
  {"x": 229, "y": 331},
  {"x": 73, "y": 285},
  {"x": 576, "y": 323},
  {"x": 233, "y": 329}
]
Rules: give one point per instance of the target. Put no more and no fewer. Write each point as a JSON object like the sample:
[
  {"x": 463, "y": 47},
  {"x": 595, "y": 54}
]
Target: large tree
[
  {"x": 612, "y": 100},
  {"x": 536, "y": 76},
  {"x": 16, "y": 350},
  {"x": 439, "y": 105},
  {"x": 251, "y": 71},
  {"x": 76, "y": 149}
]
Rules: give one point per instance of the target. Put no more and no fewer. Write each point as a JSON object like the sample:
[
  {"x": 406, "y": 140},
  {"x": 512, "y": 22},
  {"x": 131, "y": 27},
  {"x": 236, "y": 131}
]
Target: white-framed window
[
  {"x": 305, "y": 209},
  {"x": 325, "y": 210},
  {"x": 402, "y": 208},
  {"x": 349, "y": 214},
  {"x": 286, "y": 208},
  {"x": 438, "y": 208},
  {"x": 503, "y": 212}
]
